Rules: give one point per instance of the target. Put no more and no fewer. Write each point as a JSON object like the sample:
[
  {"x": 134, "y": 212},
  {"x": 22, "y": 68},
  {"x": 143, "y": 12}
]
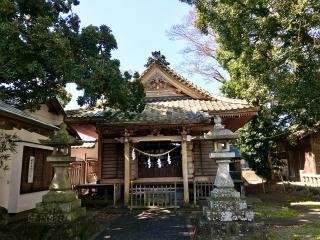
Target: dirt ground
[
  {"x": 153, "y": 224},
  {"x": 287, "y": 216}
]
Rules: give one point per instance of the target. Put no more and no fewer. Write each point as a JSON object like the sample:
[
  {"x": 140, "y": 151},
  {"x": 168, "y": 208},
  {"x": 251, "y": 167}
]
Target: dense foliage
[
  {"x": 7, "y": 146},
  {"x": 271, "y": 50},
  {"x": 42, "y": 48}
]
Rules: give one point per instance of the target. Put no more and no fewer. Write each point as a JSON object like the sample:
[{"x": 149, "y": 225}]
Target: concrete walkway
[{"x": 153, "y": 224}]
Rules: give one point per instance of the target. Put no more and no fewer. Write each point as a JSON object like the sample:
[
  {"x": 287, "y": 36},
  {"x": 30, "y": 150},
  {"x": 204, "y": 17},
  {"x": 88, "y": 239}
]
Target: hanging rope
[{"x": 154, "y": 154}]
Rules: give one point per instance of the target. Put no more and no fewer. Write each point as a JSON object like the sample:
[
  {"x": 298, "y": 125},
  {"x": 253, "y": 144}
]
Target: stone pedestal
[
  {"x": 224, "y": 203},
  {"x": 60, "y": 204},
  {"x": 227, "y": 213}
]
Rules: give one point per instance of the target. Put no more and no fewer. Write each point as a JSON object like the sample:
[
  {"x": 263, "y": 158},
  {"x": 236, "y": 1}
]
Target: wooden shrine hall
[{"x": 163, "y": 144}]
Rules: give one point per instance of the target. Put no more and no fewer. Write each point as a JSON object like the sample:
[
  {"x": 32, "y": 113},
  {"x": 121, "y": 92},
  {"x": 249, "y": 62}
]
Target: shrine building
[{"x": 163, "y": 144}]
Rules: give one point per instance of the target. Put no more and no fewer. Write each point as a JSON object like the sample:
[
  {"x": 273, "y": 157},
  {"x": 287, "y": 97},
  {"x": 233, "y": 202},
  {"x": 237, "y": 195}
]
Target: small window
[{"x": 221, "y": 146}]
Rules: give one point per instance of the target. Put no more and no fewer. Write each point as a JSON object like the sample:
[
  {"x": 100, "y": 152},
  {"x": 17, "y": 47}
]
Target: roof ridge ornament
[{"x": 157, "y": 57}]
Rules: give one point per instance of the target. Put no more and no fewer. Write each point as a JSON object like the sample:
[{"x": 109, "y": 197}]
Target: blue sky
[{"x": 139, "y": 27}]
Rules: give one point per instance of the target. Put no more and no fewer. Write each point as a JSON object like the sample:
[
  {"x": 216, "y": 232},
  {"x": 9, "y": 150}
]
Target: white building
[{"x": 29, "y": 174}]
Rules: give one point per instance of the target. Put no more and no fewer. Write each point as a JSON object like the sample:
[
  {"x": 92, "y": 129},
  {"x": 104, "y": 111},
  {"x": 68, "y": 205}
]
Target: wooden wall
[
  {"x": 199, "y": 163},
  {"x": 203, "y": 165},
  {"x": 112, "y": 161}
]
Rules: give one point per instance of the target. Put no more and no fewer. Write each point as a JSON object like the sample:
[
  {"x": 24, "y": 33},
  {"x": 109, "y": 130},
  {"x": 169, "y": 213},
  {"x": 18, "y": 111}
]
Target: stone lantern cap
[
  {"x": 219, "y": 132},
  {"x": 61, "y": 139}
]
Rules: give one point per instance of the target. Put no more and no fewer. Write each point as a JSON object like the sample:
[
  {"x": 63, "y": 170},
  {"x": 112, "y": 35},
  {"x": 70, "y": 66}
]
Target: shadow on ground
[{"x": 150, "y": 224}]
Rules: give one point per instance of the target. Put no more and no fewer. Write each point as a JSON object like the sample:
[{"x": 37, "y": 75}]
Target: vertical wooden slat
[
  {"x": 167, "y": 196},
  {"x": 126, "y": 172},
  {"x": 206, "y": 189},
  {"x": 135, "y": 195},
  {"x": 175, "y": 193},
  {"x": 148, "y": 196},
  {"x": 99, "y": 163},
  {"x": 140, "y": 195},
  {"x": 114, "y": 194},
  {"x": 153, "y": 195},
  {"x": 131, "y": 196},
  {"x": 195, "y": 191}
]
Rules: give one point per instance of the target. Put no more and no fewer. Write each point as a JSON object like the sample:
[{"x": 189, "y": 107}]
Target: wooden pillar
[
  {"x": 86, "y": 169},
  {"x": 184, "y": 155},
  {"x": 100, "y": 157},
  {"x": 126, "y": 168}
]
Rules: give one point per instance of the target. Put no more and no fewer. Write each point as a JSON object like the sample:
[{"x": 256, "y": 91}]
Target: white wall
[
  {"x": 80, "y": 153},
  {"x": 5, "y": 185},
  {"x": 44, "y": 115},
  {"x": 10, "y": 180}
]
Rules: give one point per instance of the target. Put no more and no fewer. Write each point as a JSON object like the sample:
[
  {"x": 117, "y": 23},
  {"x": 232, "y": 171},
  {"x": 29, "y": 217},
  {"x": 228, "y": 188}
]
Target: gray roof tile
[
  {"x": 163, "y": 111},
  {"x": 24, "y": 116}
]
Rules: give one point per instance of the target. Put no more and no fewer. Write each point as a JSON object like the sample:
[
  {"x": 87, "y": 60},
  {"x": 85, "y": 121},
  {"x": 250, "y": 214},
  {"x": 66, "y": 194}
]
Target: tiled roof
[
  {"x": 8, "y": 110},
  {"x": 203, "y": 105},
  {"x": 151, "y": 114},
  {"x": 181, "y": 111}
]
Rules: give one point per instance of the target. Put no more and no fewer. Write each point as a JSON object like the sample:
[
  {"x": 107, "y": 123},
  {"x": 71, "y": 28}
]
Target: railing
[
  {"x": 309, "y": 179},
  {"x": 153, "y": 195},
  {"x": 202, "y": 189},
  {"x": 76, "y": 175}
]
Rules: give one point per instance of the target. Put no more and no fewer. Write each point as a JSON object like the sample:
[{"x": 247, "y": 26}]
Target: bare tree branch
[{"x": 199, "y": 55}]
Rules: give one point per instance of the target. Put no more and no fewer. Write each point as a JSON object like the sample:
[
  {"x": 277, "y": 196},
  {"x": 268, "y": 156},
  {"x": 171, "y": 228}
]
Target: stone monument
[
  {"x": 60, "y": 204},
  {"x": 226, "y": 213}
]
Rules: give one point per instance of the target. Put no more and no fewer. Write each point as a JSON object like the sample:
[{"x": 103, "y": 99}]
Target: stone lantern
[
  {"x": 226, "y": 211},
  {"x": 60, "y": 204},
  {"x": 222, "y": 155}
]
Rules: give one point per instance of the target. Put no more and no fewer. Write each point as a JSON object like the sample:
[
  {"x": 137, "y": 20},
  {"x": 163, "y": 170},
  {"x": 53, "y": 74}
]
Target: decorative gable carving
[
  {"x": 170, "y": 84},
  {"x": 157, "y": 85},
  {"x": 158, "y": 82}
]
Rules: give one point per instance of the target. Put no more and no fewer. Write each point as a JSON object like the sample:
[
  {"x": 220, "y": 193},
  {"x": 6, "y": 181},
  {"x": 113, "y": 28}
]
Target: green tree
[
  {"x": 7, "y": 146},
  {"x": 270, "y": 47},
  {"x": 42, "y": 48},
  {"x": 271, "y": 50}
]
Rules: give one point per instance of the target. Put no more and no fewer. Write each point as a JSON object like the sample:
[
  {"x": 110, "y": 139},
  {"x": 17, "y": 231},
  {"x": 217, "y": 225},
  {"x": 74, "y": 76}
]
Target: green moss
[
  {"x": 289, "y": 198},
  {"x": 253, "y": 200},
  {"x": 81, "y": 229},
  {"x": 306, "y": 232},
  {"x": 268, "y": 210}
]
